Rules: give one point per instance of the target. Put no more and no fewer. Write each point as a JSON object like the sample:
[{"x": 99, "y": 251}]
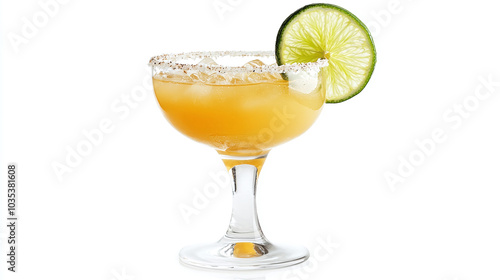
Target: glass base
[{"x": 225, "y": 255}]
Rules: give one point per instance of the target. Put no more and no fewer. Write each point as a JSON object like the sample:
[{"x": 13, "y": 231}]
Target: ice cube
[
  {"x": 260, "y": 77},
  {"x": 303, "y": 82},
  {"x": 255, "y": 63},
  {"x": 199, "y": 76},
  {"x": 218, "y": 79},
  {"x": 207, "y": 61},
  {"x": 237, "y": 80},
  {"x": 199, "y": 89},
  {"x": 254, "y": 77},
  {"x": 164, "y": 76},
  {"x": 183, "y": 78}
]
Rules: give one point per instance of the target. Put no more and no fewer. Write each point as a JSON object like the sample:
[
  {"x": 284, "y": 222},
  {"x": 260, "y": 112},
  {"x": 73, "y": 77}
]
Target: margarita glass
[{"x": 242, "y": 104}]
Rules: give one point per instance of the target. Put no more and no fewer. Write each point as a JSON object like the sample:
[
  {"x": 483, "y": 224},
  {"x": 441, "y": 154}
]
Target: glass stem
[{"x": 244, "y": 225}]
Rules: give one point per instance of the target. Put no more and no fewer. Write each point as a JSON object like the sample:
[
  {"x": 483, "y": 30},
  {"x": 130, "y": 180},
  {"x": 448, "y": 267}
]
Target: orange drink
[{"x": 238, "y": 117}]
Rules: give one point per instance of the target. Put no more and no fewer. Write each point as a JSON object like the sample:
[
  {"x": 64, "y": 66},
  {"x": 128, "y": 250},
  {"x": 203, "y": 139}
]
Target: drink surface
[{"x": 241, "y": 117}]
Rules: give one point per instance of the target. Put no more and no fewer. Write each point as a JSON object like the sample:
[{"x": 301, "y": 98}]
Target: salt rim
[{"x": 168, "y": 61}]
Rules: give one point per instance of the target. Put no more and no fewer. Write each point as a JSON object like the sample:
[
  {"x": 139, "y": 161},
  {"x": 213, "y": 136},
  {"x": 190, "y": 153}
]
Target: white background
[{"x": 114, "y": 214}]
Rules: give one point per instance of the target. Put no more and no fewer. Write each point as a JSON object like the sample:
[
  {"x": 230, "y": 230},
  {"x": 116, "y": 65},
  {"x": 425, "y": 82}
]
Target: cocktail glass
[{"x": 242, "y": 104}]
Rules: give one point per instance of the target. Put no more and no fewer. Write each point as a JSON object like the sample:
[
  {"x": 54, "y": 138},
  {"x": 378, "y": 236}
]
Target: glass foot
[{"x": 242, "y": 255}]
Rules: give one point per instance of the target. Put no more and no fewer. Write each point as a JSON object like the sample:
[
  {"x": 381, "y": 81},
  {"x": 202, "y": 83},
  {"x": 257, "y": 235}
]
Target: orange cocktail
[{"x": 238, "y": 117}]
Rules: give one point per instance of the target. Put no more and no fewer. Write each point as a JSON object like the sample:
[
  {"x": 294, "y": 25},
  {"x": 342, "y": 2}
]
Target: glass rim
[{"x": 170, "y": 61}]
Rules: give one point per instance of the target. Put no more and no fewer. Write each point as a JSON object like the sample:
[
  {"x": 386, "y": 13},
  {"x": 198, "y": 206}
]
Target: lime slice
[{"x": 328, "y": 31}]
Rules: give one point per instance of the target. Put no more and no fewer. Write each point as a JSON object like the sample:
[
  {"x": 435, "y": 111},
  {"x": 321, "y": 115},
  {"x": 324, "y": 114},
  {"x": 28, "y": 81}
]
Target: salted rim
[{"x": 169, "y": 61}]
